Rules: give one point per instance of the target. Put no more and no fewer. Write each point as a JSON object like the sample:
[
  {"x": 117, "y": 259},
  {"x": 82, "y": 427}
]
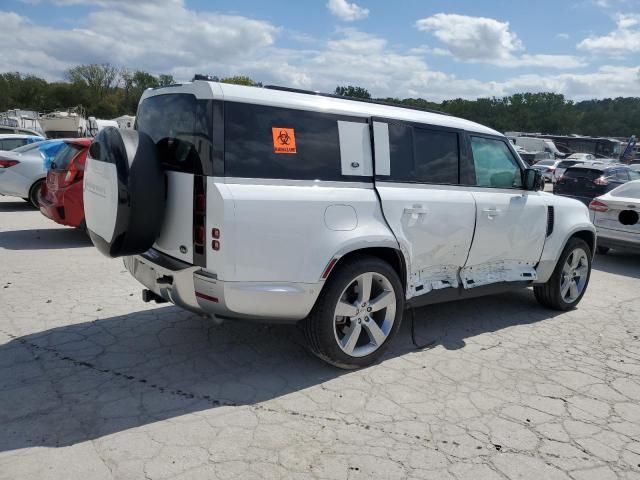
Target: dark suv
[{"x": 586, "y": 181}]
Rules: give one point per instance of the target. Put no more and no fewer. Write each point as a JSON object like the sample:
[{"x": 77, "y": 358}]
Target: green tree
[
  {"x": 241, "y": 80},
  {"x": 353, "y": 92}
]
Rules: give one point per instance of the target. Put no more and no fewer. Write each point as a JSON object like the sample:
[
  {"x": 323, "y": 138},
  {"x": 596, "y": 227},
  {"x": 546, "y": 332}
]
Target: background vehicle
[
  {"x": 547, "y": 168},
  {"x": 23, "y": 170},
  {"x": 599, "y": 147},
  {"x": 13, "y": 141},
  {"x": 61, "y": 195},
  {"x": 616, "y": 217},
  {"x": 563, "y": 165},
  {"x": 265, "y": 203},
  {"x": 533, "y": 144},
  {"x": 533, "y": 158},
  {"x": 588, "y": 180}
]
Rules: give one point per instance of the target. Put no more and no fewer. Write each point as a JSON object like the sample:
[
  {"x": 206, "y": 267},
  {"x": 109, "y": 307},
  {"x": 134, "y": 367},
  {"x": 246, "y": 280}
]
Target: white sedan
[
  {"x": 23, "y": 170},
  {"x": 616, "y": 216}
]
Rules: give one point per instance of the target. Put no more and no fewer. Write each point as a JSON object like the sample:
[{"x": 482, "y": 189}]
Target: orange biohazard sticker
[{"x": 284, "y": 140}]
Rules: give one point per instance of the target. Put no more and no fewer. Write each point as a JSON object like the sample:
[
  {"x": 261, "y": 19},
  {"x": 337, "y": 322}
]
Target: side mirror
[{"x": 533, "y": 180}]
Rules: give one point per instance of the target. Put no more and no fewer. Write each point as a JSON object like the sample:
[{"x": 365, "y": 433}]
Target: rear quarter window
[{"x": 271, "y": 142}]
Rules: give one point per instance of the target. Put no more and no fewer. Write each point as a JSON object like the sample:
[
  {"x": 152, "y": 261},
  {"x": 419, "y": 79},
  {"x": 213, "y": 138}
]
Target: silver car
[{"x": 616, "y": 216}]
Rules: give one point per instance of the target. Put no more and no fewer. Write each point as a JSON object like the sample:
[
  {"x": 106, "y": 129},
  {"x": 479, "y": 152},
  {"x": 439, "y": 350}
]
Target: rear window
[
  {"x": 628, "y": 190},
  {"x": 270, "y": 142},
  {"x": 181, "y": 127},
  {"x": 582, "y": 173},
  {"x": 545, "y": 163},
  {"x": 567, "y": 164},
  {"x": 64, "y": 156},
  {"x": 27, "y": 148}
]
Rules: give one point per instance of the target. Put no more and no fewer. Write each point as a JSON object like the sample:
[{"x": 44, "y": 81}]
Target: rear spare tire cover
[{"x": 124, "y": 192}]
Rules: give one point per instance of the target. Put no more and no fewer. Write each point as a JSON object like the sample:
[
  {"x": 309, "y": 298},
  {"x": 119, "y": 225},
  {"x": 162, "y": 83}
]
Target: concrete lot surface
[{"x": 96, "y": 384}]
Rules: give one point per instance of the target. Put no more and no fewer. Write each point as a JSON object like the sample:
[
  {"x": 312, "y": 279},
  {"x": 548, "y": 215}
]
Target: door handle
[
  {"x": 492, "y": 212},
  {"x": 416, "y": 210}
]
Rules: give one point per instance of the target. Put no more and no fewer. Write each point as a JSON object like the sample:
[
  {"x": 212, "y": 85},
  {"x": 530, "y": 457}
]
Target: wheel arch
[
  {"x": 391, "y": 255},
  {"x": 588, "y": 236}
]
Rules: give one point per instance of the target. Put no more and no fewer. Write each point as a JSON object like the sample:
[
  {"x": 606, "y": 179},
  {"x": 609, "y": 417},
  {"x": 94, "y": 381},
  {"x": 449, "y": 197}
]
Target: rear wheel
[
  {"x": 357, "y": 314},
  {"x": 34, "y": 193},
  {"x": 570, "y": 278},
  {"x": 602, "y": 250}
]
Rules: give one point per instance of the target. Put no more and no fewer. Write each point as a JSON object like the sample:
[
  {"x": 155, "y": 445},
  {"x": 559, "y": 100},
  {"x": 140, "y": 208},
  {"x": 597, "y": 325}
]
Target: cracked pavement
[{"x": 96, "y": 384}]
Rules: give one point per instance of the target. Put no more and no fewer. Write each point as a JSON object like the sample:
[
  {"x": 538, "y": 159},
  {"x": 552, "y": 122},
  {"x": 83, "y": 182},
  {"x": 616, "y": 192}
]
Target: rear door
[
  {"x": 511, "y": 222},
  {"x": 181, "y": 127},
  {"x": 417, "y": 173}
]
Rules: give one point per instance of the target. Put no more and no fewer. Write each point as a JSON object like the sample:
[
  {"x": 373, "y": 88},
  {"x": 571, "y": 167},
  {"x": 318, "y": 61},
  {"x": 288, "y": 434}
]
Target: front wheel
[
  {"x": 569, "y": 280},
  {"x": 357, "y": 314}
]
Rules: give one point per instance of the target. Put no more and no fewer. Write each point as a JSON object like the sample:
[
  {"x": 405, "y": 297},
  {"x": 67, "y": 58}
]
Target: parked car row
[{"x": 48, "y": 174}]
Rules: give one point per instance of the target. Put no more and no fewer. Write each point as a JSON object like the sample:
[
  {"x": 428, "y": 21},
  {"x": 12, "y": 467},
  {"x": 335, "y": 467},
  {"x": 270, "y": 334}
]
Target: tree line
[{"x": 107, "y": 91}]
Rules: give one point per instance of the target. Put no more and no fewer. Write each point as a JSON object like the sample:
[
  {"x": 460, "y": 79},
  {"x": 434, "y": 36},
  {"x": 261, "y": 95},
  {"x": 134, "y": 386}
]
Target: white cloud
[
  {"x": 563, "y": 36},
  {"x": 486, "y": 40},
  {"x": 347, "y": 11},
  {"x": 623, "y": 40},
  {"x": 182, "y": 42},
  {"x": 156, "y": 36}
]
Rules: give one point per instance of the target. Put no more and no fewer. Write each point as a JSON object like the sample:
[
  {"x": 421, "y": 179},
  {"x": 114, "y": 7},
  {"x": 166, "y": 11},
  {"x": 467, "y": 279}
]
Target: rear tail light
[
  {"x": 601, "y": 181},
  {"x": 8, "y": 163},
  {"x": 598, "y": 206},
  {"x": 199, "y": 235}
]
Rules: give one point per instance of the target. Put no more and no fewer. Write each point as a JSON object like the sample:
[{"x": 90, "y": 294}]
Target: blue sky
[{"x": 435, "y": 49}]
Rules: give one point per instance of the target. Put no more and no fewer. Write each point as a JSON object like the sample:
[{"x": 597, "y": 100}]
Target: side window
[
  {"x": 633, "y": 175},
  {"x": 621, "y": 175},
  {"x": 11, "y": 143},
  {"x": 494, "y": 164},
  {"x": 270, "y": 142},
  {"x": 423, "y": 155}
]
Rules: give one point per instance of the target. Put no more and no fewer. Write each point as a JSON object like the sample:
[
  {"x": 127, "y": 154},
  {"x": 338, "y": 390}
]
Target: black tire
[
  {"x": 34, "y": 193},
  {"x": 549, "y": 294},
  {"x": 602, "y": 250},
  {"x": 124, "y": 192},
  {"x": 319, "y": 327}
]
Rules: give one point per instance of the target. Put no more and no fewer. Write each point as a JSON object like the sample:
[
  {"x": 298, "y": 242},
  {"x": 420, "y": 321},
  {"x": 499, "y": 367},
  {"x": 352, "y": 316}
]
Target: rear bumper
[
  {"x": 63, "y": 206},
  {"x": 200, "y": 291},
  {"x": 13, "y": 184},
  {"x": 616, "y": 239}
]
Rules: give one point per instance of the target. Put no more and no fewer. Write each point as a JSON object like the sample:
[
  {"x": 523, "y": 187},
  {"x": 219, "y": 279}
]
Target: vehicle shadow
[
  {"x": 83, "y": 381},
  {"x": 44, "y": 239},
  {"x": 18, "y": 206},
  {"x": 618, "y": 262}
]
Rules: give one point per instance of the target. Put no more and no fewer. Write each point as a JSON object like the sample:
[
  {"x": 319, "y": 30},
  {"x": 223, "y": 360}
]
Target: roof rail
[{"x": 355, "y": 99}]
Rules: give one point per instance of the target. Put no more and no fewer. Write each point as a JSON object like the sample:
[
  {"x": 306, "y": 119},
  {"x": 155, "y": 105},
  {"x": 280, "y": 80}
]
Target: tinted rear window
[
  {"x": 64, "y": 156},
  {"x": 271, "y": 142},
  {"x": 181, "y": 127},
  {"x": 423, "y": 155},
  {"x": 567, "y": 163},
  {"x": 582, "y": 173}
]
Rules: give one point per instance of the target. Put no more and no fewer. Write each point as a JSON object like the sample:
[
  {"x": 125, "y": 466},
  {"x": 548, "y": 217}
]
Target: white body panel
[
  {"x": 510, "y": 234},
  {"x": 276, "y": 239},
  {"x": 434, "y": 242},
  {"x": 176, "y": 236},
  {"x": 100, "y": 195}
]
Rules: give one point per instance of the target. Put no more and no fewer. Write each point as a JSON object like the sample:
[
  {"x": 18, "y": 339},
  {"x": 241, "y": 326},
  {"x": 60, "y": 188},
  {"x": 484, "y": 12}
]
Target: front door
[
  {"x": 511, "y": 222},
  {"x": 417, "y": 177}
]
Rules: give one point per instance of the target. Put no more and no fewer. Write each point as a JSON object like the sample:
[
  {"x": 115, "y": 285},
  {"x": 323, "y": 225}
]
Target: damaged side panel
[
  {"x": 433, "y": 278},
  {"x": 501, "y": 271}
]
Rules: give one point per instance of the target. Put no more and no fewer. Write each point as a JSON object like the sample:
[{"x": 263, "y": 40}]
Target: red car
[{"x": 61, "y": 195}]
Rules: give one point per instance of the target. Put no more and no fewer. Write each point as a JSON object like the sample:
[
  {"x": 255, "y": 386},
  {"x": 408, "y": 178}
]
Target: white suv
[{"x": 289, "y": 206}]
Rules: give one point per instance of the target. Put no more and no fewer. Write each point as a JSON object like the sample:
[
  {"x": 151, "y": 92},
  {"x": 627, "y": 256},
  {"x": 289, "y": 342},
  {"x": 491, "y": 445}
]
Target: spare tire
[{"x": 124, "y": 192}]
